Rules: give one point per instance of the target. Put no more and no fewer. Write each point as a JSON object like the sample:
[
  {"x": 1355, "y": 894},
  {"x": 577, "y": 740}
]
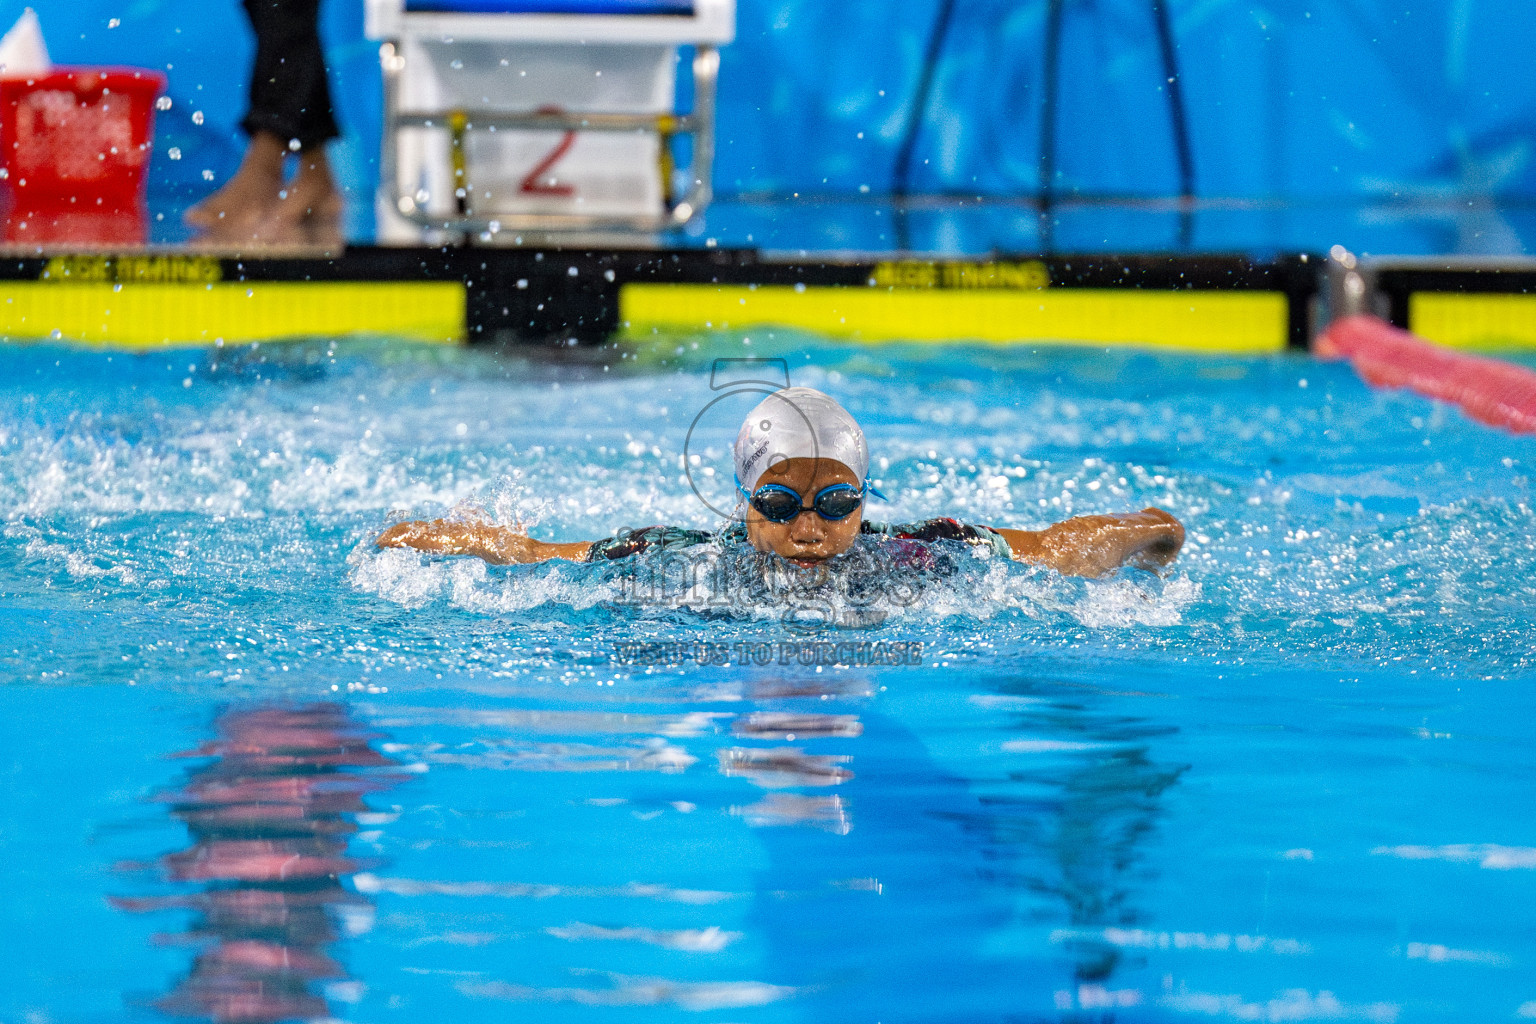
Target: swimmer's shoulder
[
  {"x": 661, "y": 537},
  {"x": 937, "y": 529}
]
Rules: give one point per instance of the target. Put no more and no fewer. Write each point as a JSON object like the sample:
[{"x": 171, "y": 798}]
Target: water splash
[
  {"x": 1340, "y": 524},
  {"x": 863, "y": 589}
]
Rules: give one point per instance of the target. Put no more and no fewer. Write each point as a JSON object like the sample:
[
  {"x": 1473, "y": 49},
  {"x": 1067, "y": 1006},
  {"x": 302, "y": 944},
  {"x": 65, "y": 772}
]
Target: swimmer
[{"x": 801, "y": 470}]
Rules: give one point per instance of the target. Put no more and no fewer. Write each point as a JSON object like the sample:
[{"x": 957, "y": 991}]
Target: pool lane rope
[{"x": 1490, "y": 391}]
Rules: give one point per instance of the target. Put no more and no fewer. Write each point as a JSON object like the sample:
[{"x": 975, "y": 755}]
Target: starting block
[{"x": 544, "y": 116}]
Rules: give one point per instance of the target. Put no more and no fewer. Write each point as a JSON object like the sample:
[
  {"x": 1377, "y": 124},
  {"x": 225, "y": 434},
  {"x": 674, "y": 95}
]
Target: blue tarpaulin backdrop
[{"x": 1382, "y": 102}]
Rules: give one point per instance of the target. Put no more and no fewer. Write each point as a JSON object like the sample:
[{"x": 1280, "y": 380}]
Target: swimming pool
[{"x": 1289, "y": 782}]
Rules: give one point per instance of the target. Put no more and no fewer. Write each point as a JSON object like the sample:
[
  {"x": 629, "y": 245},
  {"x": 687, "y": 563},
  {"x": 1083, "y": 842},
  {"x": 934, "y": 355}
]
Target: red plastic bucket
[{"x": 75, "y": 145}]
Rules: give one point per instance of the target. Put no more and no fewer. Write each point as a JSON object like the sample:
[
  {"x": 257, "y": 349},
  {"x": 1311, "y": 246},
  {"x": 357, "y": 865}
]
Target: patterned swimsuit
[{"x": 667, "y": 538}]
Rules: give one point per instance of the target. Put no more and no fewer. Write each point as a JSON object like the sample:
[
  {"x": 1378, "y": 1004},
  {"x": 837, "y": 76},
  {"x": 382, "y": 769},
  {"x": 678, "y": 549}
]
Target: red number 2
[{"x": 533, "y": 183}]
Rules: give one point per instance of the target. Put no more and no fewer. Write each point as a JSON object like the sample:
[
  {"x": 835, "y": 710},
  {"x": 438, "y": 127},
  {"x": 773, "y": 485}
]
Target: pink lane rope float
[{"x": 1490, "y": 391}]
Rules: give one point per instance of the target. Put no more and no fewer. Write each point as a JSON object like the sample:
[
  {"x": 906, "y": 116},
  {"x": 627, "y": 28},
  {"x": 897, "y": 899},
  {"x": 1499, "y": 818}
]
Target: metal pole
[
  {"x": 902, "y": 175},
  {"x": 706, "y": 71},
  {"x": 1051, "y": 72},
  {"x": 1178, "y": 120}
]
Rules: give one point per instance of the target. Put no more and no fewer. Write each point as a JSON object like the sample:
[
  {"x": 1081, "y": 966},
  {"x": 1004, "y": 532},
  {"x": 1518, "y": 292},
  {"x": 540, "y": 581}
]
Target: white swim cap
[{"x": 798, "y": 423}]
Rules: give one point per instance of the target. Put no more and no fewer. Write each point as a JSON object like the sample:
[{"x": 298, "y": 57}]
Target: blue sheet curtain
[{"x": 1293, "y": 101}]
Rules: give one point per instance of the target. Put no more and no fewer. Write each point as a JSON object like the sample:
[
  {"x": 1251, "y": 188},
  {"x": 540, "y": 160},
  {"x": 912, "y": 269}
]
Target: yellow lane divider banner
[
  {"x": 1198, "y": 320},
  {"x": 1474, "y": 320},
  {"x": 154, "y": 315}
]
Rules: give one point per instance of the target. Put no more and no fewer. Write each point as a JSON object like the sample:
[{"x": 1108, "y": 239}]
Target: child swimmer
[{"x": 801, "y": 464}]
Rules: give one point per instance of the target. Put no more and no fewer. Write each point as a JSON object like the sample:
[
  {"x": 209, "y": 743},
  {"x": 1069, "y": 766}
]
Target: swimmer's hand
[
  {"x": 499, "y": 545},
  {"x": 1098, "y": 545}
]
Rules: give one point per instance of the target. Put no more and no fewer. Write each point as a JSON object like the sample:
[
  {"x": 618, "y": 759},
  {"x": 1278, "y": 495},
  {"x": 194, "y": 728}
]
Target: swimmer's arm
[
  {"x": 499, "y": 545},
  {"x": 1096, "y": 545}
]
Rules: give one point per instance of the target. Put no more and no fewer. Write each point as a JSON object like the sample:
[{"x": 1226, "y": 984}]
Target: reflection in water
[
  {"x": 783, "y": 767},
  {"x": 783, "y": 725},
  {"x": 974, "y": 845},
  {"x": 269, "y": 816},
  {"x": 1085, "y": 800},
  {"x": 659, "y": 917},
  {"x": 543, "y": 740},
  {"x": 1045, "y": 837},
  {"x": 828, "y": 813}
]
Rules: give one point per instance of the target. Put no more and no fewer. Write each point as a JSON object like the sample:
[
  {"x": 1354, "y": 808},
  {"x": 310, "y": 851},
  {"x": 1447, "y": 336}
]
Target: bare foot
[
  {"x": 256, "y": 207},
  {"x": 305, "y": 212},
  {"x": 246, "y": 196},
  {"x": 314, "y": 198}
]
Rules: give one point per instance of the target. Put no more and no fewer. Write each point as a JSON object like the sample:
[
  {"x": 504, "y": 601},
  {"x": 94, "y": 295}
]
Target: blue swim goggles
[{"x": 779, "y": 504}]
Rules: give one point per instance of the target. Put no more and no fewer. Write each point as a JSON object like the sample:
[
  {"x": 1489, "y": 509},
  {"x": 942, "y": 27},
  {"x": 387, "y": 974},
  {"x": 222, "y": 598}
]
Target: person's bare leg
[{"x": 248, "y": 195}]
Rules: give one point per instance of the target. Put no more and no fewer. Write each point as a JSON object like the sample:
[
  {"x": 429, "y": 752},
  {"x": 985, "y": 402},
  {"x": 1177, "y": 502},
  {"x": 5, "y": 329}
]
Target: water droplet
[
  {"x": 207, "y": 174},
  {"x": 174, "y": 153},
  {"x": 163, "y": 103},
  {"x": 197, "y": 117}
]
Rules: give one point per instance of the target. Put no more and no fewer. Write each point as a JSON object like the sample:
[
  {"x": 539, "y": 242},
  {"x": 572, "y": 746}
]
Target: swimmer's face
[{"x": 807, "y": 538}]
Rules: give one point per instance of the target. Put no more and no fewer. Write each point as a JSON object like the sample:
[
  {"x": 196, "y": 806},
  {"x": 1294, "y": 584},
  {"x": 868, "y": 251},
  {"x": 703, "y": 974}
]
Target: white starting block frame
[{"x": 542, "y": 123}]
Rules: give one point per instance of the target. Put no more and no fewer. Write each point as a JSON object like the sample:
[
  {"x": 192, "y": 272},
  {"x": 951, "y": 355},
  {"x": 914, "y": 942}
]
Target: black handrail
[
  {"x": 902, "y": 175},
  {"x": 1178, "y": 121},
  {"x": 1050, "y": 89},
  {"x": 1051, "y": 64}
]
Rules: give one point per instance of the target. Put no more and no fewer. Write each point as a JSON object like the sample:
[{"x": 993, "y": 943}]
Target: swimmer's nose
[{"x": 808, "y": 528}]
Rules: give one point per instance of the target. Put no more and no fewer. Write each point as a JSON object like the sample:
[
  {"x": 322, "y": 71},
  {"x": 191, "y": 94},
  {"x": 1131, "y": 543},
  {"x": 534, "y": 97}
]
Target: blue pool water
[{"x": 253, "y": 769}]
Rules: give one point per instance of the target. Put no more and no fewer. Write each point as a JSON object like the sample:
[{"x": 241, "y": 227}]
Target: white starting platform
[{"x": 544, "y": 116}]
